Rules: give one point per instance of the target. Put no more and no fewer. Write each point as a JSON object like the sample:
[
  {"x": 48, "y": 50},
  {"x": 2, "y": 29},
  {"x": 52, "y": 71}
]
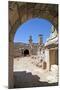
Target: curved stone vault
[{"x": 20, "y": 12}]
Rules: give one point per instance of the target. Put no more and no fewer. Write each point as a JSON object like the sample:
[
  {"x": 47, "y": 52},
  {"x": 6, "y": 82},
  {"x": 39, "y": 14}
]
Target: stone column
[
  {"x": 10, "y": 63},
  {"x": 47, "y": 58},
  {"x": 30, "y": 45}
]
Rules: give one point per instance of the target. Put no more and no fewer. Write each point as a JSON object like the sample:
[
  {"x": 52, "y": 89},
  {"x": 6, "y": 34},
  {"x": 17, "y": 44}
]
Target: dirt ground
[{"x": 27, "y": 64}]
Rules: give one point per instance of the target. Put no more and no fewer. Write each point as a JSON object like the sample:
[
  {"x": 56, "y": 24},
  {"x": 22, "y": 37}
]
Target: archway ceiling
[{"x": 20, "y": 12}]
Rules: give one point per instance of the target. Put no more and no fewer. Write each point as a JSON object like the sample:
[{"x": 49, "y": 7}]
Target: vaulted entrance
[{"x": 26, "y": 52}]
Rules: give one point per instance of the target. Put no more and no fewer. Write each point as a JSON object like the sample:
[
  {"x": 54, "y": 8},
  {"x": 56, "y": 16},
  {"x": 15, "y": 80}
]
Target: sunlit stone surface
[
  {"x": 30, "y": 64},
  {"x": 53, "y": 38}
]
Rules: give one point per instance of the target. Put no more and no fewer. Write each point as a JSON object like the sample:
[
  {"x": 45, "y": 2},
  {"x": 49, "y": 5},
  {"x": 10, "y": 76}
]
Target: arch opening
[
  {"x": 34, "y": 27},
  {"x": 26, "y": 52},
  {"x": 47, "y": 15}
]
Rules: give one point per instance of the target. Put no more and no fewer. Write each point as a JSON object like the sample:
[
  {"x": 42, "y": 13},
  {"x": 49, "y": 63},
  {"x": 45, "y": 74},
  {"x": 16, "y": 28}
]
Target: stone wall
[{"x": 19, "y": 49}]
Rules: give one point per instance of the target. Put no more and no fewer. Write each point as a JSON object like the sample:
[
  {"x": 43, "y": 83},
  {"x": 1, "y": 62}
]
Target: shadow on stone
[{"x": 24, "y": 80}]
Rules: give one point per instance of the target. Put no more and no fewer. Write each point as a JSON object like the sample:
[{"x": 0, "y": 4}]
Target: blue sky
[{"x": 33, "y": 27}]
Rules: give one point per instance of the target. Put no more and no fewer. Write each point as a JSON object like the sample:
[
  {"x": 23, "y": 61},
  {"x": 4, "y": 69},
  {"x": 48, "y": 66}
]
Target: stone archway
[
  {"x": 29, "y": 11},
  {"x": 26, "y": 52},
  {"x": 19, "y": 13}
]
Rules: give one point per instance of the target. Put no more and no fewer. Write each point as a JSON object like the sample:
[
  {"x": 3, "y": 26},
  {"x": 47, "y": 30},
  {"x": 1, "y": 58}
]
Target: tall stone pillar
[
  {"x": 47, "y": 60},
  {"x": 40, "y": 40},
  {"x": 10, "y": 63},
  {"x": 31, "y": 45}
]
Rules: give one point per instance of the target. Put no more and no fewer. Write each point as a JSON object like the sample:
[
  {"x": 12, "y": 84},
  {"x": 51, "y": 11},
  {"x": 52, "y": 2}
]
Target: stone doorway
[
  {"x": 53, "y": 57},
  {"x": 26, "y": 52}
]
